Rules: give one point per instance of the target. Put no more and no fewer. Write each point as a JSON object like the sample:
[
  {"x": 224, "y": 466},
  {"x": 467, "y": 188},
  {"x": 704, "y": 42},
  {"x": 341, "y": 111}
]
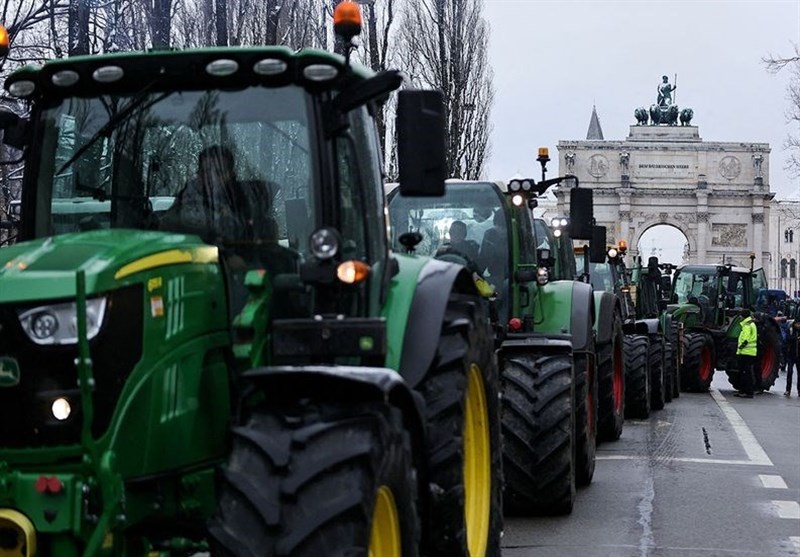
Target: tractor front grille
[{"x": 47, "y": 373}]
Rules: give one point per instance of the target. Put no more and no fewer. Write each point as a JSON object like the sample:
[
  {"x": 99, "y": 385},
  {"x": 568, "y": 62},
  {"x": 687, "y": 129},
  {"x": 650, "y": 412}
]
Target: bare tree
[
  {"x": 445, "y": 44},
  {"x": 791, "y": 64}
]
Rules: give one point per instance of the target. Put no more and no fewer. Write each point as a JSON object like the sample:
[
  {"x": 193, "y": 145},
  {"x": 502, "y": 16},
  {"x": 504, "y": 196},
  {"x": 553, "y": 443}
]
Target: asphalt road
[{"x": 711, "y": 475}]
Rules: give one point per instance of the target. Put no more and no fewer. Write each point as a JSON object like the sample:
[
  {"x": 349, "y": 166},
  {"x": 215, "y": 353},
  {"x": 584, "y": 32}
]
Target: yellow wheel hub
[
  {"x": 477, "y": 465},
  {"x": 384, "y": 540}
]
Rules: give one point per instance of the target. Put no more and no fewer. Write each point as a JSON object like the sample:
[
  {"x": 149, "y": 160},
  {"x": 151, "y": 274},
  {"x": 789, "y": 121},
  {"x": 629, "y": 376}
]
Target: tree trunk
[{"x": 78, "y": 24}]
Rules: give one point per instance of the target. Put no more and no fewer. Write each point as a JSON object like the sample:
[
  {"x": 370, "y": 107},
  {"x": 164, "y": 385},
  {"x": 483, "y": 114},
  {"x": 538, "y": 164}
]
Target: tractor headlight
[
  {"x": 542, "y": 275},
  {"x": 517, "y": 200},
  {"x": 58, "y": 323},
  {"x": 612, "y": 253},
  {"x": 324, "y": 243}
]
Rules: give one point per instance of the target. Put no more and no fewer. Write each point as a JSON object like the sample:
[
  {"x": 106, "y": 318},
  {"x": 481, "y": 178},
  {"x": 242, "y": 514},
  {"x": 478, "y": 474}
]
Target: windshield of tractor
[
  {"x": 603, "y": 276},
  {"x": 691, "y": 287},
  {"x": 234, "y": 167},
  {"x": 469, "y": 221}
]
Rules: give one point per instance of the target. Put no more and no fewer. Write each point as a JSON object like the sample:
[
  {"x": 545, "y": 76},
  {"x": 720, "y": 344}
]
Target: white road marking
[
  {"x": 796, "y": 542},
  {"x": 754, "y": 451},
  {"x": 772, "y": 482},
  {"x": 756, "y": 455},
  {"x": 787, "y": 509},
  {"x": 681, "y": 459}
]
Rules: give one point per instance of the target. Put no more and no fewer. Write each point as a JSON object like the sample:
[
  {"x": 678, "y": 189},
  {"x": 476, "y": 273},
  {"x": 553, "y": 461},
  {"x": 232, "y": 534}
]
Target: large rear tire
[
  {"x": 658, "y": 380},
  {"x": 637, "y": 377},
  {"x": 585, "y": 417},
  {"x": 318, "y": 479},
  {"x": 538, "y": 431},
  {"x": 697, "y": 370},
  {"x": 768, "y": 358},
  {"x": 611, "y": 384},
  {"x": 767, "y": 362},
  {"x": 463, "y": 441}
]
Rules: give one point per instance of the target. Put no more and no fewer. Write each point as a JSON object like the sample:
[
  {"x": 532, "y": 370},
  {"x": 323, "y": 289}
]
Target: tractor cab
[
  {"x": 719, "y": 291},
  {"x": 266, "y": 154}
]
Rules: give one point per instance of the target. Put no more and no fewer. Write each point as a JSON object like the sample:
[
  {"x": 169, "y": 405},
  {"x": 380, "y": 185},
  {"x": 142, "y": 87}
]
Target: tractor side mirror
[
  {"x": 14, "y": 128},
  {"x": 581, "y": 214},
  {"x": 421, "y": 143},
  {"x": 597, "y": 246}
]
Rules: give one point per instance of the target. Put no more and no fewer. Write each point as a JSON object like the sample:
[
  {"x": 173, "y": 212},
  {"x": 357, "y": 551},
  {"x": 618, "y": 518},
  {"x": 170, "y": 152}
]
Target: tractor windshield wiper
[{"x": 116, "y": 119}]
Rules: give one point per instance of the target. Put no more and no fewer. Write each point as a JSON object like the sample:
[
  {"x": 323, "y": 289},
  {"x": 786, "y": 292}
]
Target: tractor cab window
[
  {"x": 467, "y": 225},
  {"x": 233, "y": 167},
  {"x": 690, "y": 286}
]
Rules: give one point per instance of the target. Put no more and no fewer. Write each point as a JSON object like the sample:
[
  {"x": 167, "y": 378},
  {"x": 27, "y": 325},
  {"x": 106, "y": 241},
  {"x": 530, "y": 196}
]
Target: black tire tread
[
  {"x": 538, "y": 431},
  {"x": 694, "y": 343},
  {"x": 658, "y": 380},
  {"x": 637, "y": 377},
  {"x": 466, "y": 339},
  {"x": 293, "y": 488}
]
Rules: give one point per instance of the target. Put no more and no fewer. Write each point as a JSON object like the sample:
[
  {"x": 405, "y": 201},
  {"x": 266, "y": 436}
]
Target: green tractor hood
[{"x": 46, "y": 268}]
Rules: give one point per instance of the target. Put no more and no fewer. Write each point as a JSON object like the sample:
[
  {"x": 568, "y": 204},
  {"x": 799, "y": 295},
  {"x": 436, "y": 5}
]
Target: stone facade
[
  {"x": 784, "y": 223},
  {"x": 716, "y": 193}
]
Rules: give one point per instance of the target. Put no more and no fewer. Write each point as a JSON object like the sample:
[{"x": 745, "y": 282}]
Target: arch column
[{"x": 702, "y": 224}]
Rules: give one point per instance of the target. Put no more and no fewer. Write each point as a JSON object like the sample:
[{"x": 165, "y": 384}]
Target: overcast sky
[{"x": 553, "y": 60}]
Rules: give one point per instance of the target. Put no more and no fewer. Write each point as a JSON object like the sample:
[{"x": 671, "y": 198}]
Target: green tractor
[
  {"x": 251, "y": 370},
  {"x": 543, "y": 335},
  {"x": 612, "y": 276},
  {"x": 650, "y": 290},
  {"x": 610, "y": 338},
  {"x": 706, "y": 303}
]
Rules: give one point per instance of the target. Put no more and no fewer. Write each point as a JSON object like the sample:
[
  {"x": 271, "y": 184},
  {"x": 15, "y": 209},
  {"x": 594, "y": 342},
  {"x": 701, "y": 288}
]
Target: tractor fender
[
  {"x": 652, "y": 325},
  {"x": 583, "y": 316},
  {"x": 605, "y": 306},
  {"x": 538, "y": 342},
  {"x": 436, "y": 280},
  {"x": 637, "y": 328},
  {"x": 344, "y": 384}
]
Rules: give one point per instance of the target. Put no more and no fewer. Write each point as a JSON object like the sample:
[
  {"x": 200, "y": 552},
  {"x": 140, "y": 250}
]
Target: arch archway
[{"x": 666, "y": 241}]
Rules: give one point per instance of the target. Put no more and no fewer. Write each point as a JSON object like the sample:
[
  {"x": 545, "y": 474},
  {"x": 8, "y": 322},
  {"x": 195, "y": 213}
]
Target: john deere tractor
[
  {"x": 707, "y": 301},
  {"x": 543, "y": 332},
  {"x": 240, "y": 368}
]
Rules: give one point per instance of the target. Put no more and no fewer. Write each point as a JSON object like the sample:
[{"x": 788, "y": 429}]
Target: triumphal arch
[{"x": 716, "y": 193}]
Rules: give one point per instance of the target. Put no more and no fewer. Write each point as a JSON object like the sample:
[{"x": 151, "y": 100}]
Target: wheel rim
[
  {"x": 768, "y": 361},
  {"x": 705, "y": 364},
  {"x": 477, "y": 465},
  {"x": 384, "y": 539},
  {"x": 618, "y": 378}
]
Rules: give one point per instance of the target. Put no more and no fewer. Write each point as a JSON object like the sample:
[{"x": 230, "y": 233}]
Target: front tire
[
  {"x": 463, "y": 440},
  {"x": 698, "y": 363},
  {"x": 658, "y": 379},
  {"x": 293, "y": 487},
  {"x": 585, "y": 417},
  {"x": 768, "y": 357},
  {"x": 538, "y": 430},
  {"x": 637, "y": 377},
  {"x": 611, "y": 384}
]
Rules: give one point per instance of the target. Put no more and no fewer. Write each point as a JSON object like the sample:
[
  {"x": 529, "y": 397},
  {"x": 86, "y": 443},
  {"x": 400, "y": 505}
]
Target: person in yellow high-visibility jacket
[{"x": 746, "y": 353}]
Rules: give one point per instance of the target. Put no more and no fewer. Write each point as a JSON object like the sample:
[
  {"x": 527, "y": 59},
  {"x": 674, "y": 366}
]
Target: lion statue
[
  {"x": 641, "y": 116},
  {"x": 686, "y": 116}
]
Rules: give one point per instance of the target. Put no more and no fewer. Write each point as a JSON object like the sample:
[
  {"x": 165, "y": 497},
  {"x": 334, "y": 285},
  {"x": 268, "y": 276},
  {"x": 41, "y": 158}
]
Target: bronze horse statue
[{"x": 664, "y": 115}]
